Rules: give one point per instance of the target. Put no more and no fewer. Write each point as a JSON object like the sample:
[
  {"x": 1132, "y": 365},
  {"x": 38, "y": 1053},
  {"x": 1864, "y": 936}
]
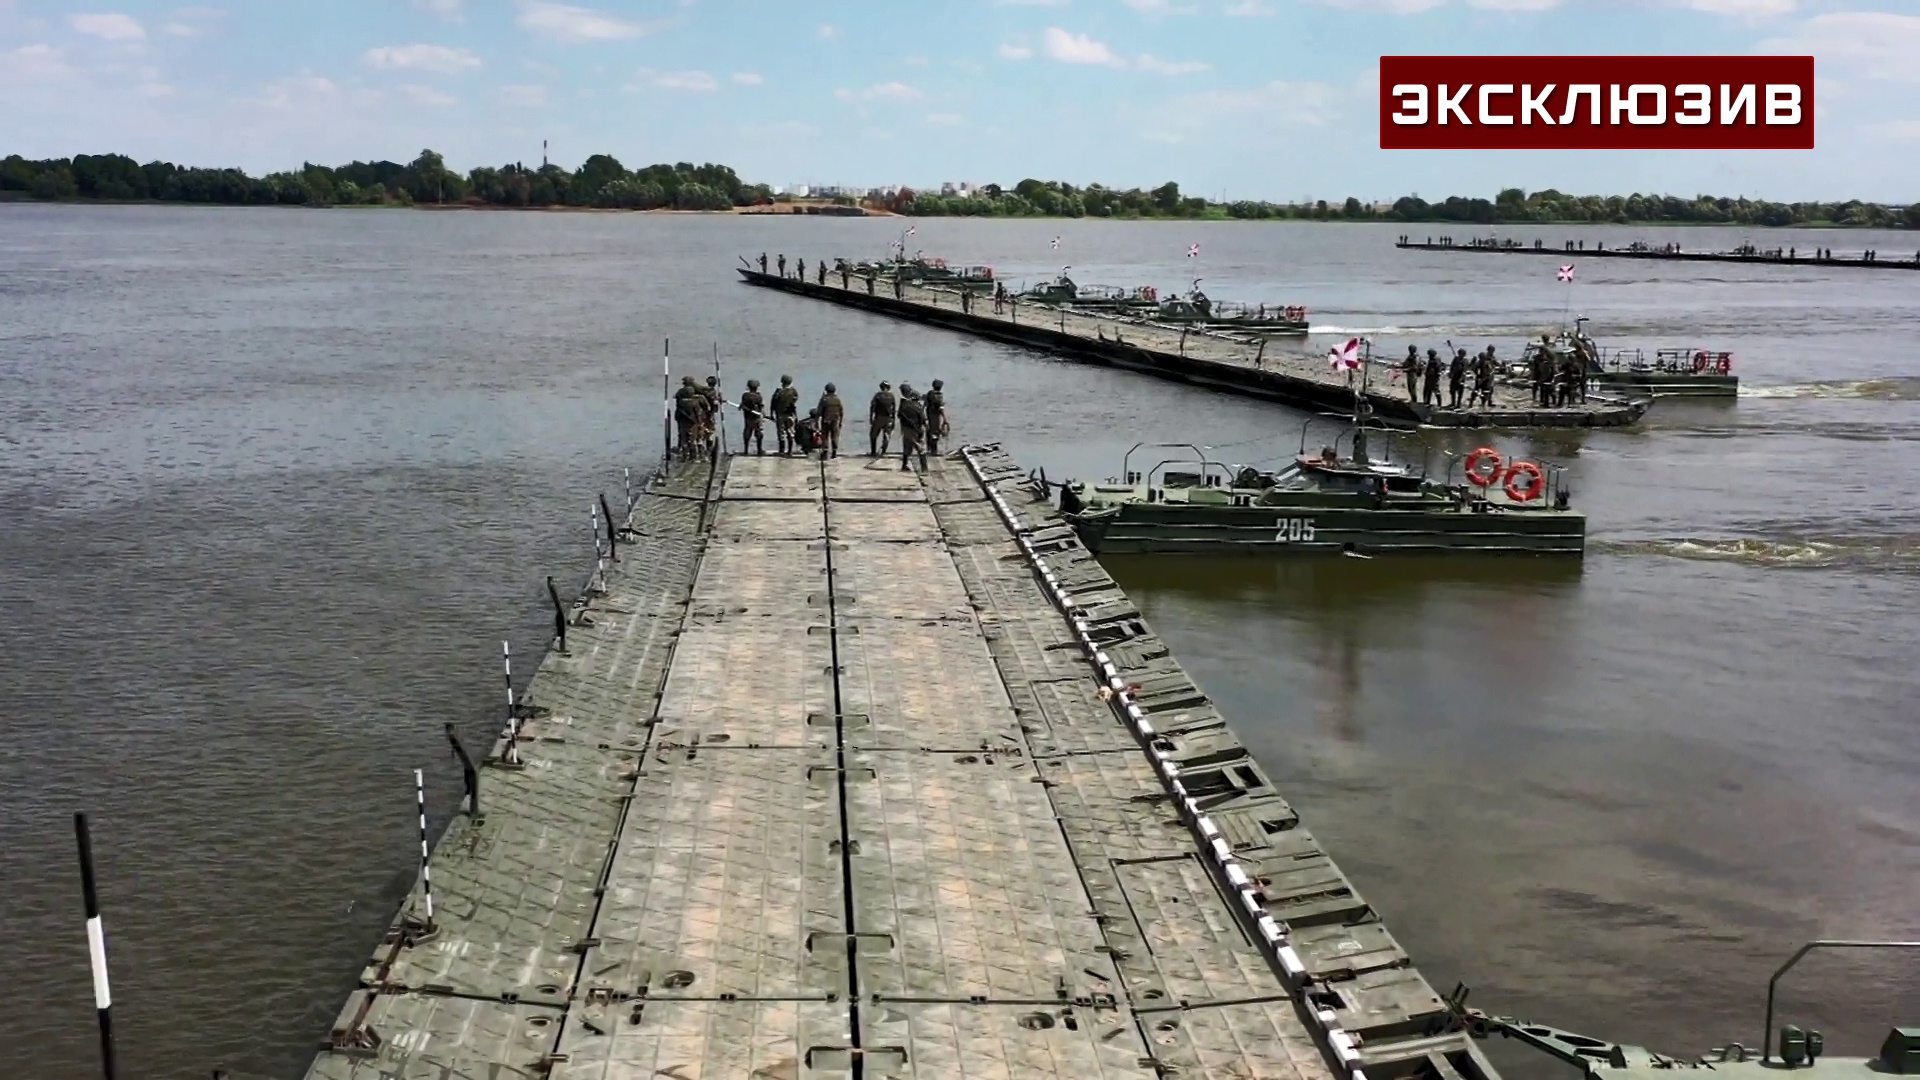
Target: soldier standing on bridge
[
  {"x": 783, "y": 266},
  {"x": 880, "y": 413},
  {"x": 763, "y": 262},
  {"x": 935, "y": 406},
  {"x": 710, "y": 429},
  {"x": 786, "y": 407},
  {"x": 753, "y": 420},
  {"x": 1483, "y": 379},
  {"x": 1410, "y": 371},
  {"x": 831, "y": 414},
  {"x": 913, "y": 428},
  {"x": 1456, "y": 378},
  {"x": 1430, "y": 389},
  {"x": 1541, "y": 371},
  {"x": 688, "y": 403},
  {"x": 822, "y": 265}
]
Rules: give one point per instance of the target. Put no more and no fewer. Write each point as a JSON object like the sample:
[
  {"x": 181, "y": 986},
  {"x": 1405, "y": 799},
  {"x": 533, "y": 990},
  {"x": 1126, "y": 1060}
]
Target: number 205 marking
[{"x": 1293, "y": 530}]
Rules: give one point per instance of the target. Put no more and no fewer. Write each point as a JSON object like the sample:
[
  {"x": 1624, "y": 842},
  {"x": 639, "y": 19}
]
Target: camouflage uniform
[
  {"x": 880, "y": 413},
  {"x": 714, "y": 402},
  {"x": 1410, "y": 371},
  {"x": 763, "y": 262},
  {"x": 1456, "y": 378},
  {"x": 783, "y": 266},
  {"x": 753, "y": 428},
  {"x": 800, "y": 271},
  {"x": 913, "y": 428},
  {"x": 806, "y": 434},
  {"x": 786, "y": 406},
  {"x": 831, "y": 414},
  {"x": 1430, "y": 389},
  {"x": 688, "y": 406},
  {"x": 823, "y": 271},
  {"x": 935, "y": 405}
]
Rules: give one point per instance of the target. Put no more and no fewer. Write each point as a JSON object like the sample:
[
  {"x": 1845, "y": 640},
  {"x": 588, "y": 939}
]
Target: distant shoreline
[{"x": 786, "y": 210}]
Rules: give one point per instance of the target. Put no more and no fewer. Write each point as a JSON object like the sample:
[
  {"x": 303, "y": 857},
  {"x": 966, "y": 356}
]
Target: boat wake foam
[
  {"x": 1887, "y": 554},
  {"x": 1895, "y": 388}
]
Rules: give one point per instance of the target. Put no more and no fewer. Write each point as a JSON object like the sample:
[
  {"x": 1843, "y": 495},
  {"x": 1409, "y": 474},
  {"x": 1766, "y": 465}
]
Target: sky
[{"x": 1260, "y": 99}]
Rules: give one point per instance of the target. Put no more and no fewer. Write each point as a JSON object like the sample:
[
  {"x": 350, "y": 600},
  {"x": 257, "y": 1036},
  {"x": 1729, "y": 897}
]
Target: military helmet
[
  {"x": 686, "y": 380},
  {"x": 1431, "y": 353},
  {"x": 906, "y": 389},
  {"x": 753, "y": 384},
  {"x": 786, "y": 380},
  {"x": 813, "y": 414},
  {"x": 713, "y": 380},
  {"x": 829, "y": 388},
  {"x": 885, "y": 385},
  {"x": 937, "y": 384},
  {"x": 1413, "y": 350}
]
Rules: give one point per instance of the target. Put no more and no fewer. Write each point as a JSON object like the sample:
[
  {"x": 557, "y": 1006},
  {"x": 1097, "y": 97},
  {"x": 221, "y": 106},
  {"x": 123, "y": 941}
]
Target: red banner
[{"x": 1596, "y": 103}]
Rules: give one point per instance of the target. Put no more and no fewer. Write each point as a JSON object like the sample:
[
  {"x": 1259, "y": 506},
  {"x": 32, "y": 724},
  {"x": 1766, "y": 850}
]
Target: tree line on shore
[
  {"x": 602, "y": 181},
  {"x": 1513, "y": 206}
]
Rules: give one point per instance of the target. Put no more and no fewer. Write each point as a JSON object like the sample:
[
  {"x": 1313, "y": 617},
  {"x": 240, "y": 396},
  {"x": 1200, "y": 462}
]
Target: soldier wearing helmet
[
  {"x": 832, "y": 413},
  {"x": 935, "y": 404},
  {"x": 880, "y": 415},
  {"x": 753, "y": 428},
  {"x": 786, "y": 407}
]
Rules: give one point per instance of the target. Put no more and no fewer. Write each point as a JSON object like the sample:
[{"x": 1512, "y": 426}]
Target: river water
[{"x": 274, "y": 485}]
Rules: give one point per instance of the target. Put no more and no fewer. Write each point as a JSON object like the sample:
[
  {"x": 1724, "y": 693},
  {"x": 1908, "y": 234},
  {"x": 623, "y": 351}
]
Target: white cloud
[
  {"x": 1278, "y": 104},
  {"x": 1031, "y": 3},
  {"x": 917, "y": 61},
  {"x": 435, "y": 58},
  {"x": 1869, "y": 44},
  {"x": 428, "y": 97},
  {"x": 1248, "y": 9},
  {"x": 33, "y": 63},
  {"x": 524, "y": 95},
  {"x": 154, "y": 90},
  {"x": 1904, "y": 130},
  {"x": 1396, "y": 7},
  {"x": 192, "y": 22},
  {"x": 1158, "y": 8},
  {"x": 1520, "y": 5},
  {"x": 749, "y": 78},
  {"x": 1170, "y": 67},
  {"x": 298, "y": 90},
  {"x": 445, "y": 9},
  {"x": 887, "y": 91},
  {"x": 828, "y": 30},
  {"x": 565, "y": 22},
  {"x": 1010, "y": 51},
  {"x": 112, "y": 27},
  {"x": 945, "y": 119},
  {"x": 697, "y": 82},
  {"x": 1747, "y": 9},
  {"x": 1078, "y": 49}
]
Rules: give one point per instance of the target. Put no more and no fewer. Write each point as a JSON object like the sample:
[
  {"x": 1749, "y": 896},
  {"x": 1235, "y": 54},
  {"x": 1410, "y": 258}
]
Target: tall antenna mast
[{"x": 543, "y": 153}]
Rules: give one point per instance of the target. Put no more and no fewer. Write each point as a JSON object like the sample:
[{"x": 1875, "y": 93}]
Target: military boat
[
  {"x": 1197, "y": 309},
  {"x": 1063, "y": 291},
  {"x": 1325, "y": 504},
  {"x": 1691, "y": 372}
]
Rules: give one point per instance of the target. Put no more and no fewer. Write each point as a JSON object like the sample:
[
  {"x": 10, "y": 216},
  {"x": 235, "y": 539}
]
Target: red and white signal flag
[
  {"x": 1193, "y": 251},
  {"x": 1345, "y": 357},
  {"x": 1566, "y": 272},
  {"x": 1596, "y": 103}
]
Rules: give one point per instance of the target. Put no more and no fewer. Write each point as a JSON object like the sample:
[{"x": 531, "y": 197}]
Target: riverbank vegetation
[
  {"x": 602, "y": 182},
  {"x": 1038, "y": 198}
]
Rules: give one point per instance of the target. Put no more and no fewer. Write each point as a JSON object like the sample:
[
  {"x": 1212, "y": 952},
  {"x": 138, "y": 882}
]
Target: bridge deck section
[{"x": 847, "y": 771}]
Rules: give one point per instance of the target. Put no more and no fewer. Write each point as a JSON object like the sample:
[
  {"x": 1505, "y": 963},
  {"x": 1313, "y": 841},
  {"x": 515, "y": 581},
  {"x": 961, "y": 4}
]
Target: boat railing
[
  {"x": 1131, "y": 477},
  {"x": 1690, "y": 361}
]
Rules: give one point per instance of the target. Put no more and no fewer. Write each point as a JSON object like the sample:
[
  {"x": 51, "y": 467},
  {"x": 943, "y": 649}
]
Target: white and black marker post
[
  {"x": 666, "y": 396},
  {"x": 96, "y": 945},
  {"x": 513, "y": 713},
  {"x": 599, "y": 583},
  {"x": 426, "y": 865},
  {"x": 626, "y": 485}
]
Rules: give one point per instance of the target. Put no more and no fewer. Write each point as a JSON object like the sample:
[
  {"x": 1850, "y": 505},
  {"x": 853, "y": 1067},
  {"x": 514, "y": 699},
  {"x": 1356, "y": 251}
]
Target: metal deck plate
[
  {"x": 960, "y": 862},
  {"x": 766, "y": 677},
  {"x": 929, "y": 1041},
  {"x": 768, "y": 519},
  {"x": 602, "y": 693},
  {"x": 514, "y": 894},
  {"x": 762, "y": 577},
  {"x": 856, "y": 479},
  {"x": 884, "y": 521},
  {"x": 875, "y": 579},
  {"x": 926, "y": 685},
  {"x": 726, "y": 881},
  {"x": 794, "y": 478},
  {"x": 706, "y": 1040},
  {"x": 431, "y": 1037}
]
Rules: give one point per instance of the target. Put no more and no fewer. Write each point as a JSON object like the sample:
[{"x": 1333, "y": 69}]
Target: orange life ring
[
  {"x": 1536, "y": 481},
  {"x": 1726, "y": 363},
  {"x": 1699, "y": 362},
  {"x": 1485, "y": 454}
]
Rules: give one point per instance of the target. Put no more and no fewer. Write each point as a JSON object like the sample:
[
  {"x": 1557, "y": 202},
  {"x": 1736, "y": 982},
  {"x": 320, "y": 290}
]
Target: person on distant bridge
[
  {"x": 800, "y": 271},
  {"x": 783, "y": 266},
  {"x": 822, "y": 264},
  {"x": 763, "y": 262}
]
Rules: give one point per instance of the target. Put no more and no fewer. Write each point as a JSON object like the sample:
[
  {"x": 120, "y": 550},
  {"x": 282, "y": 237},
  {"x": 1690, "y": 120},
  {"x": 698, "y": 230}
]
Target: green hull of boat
[
  {"x": 1328, "y": 525},
  {"x": 1668, "y": 384}
]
